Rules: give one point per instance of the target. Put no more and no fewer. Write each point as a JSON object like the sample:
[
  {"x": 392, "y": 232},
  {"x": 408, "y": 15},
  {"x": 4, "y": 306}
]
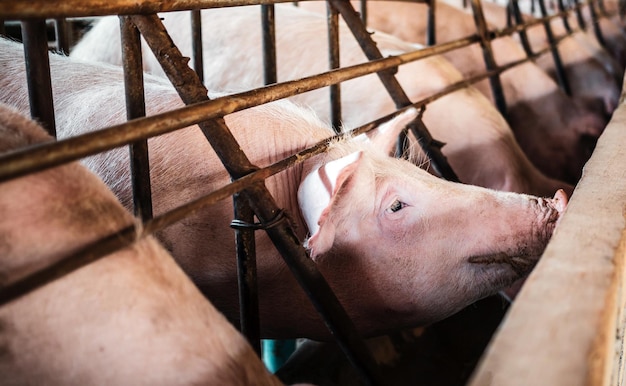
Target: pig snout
[{"x": 521, "y": 260}]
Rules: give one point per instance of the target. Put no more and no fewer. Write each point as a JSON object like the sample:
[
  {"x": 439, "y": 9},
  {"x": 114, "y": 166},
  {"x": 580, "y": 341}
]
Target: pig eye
[{"x": 396, "y": 206}]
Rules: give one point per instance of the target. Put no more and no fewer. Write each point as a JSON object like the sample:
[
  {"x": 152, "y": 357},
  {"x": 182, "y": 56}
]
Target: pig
[
  {"x": 375, "y": 225},
  {"x": 587, "y": 75},
  {"x": 480, "y": 146},
  {"x": 552, "y": 129},
  {"x": 132, "y": 317}
]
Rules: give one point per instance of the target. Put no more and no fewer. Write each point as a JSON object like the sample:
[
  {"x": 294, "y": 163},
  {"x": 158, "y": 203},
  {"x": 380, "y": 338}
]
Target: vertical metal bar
[
  {"x": 2, "y": 28},
  {"x": 490, "y": 63},
  {"x": 333, "y": 62},
  {"x": 363, "y": 11},
  {"x": 579, "y": 16},
  {"x": 431, "y": 147},
  {"x": 61, "y": 36},
  {"x": 247, "y": 275},
  {"x": 596, "y": 25},
  {"x": 263, "y": 204},
  {"x": 196, "y": 43},
  {"x": 517, "y": 14},
  {"x": 38, "y": 73},
  {"x": 431, "y": 32},
  {"x": 136, "y": 108},
  {"x": 561, "y": 7},
  {"x": 509, "y": 13},
  {"x": 269, "y": 43},
  {"x": 561, "y": 76}
]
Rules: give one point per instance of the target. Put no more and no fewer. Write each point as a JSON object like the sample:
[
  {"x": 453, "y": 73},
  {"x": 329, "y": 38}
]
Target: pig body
[
  {"x": 551, "y": 129},
  {"x": 132, "y": 317},
  {"x": 376, "y": 223},
  {"x": 479, "y": 144}
]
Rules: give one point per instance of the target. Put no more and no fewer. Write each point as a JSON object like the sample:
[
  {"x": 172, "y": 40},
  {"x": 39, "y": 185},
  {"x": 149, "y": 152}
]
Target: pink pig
[
  {"x": 479, "y": 144},
  {"x": 389, "y": 237},
  {"x": 132, "y": 317}
]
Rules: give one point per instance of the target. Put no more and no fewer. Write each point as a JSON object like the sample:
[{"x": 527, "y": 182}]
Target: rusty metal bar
[
  {"x": 38, "y": 73},
  {"x": 363, "y": 11},
  {"x": 561, "y": 7},
  {"x": 196, "y": 43},
  {"x": 519, "y": 20},
  {"x": 509, "y": 13},
  {"x": 44, "y": 156},
  {"x": 431, "y": 30},
  {"x": 431, "y": 147},
  {"x": 579, "y": 15},
  {"x": 136, "y": 108},
  {"x": 35, "y": 9},
  {"x": 596, "y": 25},
  {"x": 283, "y": 236},
  {"x": 333, "y": 63},
  {"x": 14, "y": 10},
  {"x": 62, "y": 36},
  {"x": 269, "y": 43},
  {"x": 490, "y": 63},
  {"x": 561, "y": 76},
  {"x": 39, "y": 157},
  {"x": 247, "y": 273}
]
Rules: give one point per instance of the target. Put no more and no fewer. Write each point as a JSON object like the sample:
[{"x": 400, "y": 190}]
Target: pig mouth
[{"x": 521, "y": 265}]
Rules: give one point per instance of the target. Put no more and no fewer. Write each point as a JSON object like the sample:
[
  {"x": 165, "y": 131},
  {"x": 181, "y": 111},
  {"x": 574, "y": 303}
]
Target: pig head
[{"x": 409, "y": 240}]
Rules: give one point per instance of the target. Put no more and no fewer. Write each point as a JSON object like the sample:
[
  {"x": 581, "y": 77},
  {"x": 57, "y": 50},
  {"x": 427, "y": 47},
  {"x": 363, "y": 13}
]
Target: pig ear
[
  {"x": 316, "y": 195},
  {"x": 385, "y": 136}
]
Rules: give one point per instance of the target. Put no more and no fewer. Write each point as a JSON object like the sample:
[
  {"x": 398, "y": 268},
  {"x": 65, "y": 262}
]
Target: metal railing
[{"x": 250, "y": 196}]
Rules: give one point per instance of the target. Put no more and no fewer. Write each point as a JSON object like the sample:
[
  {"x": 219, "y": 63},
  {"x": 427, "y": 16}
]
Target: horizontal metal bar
[
  {"x": 19, "y": 9},
  {"x": 43, "y": 156},
  {"x": 48, "y": 155},
  {"x": 81, "y": 8}
]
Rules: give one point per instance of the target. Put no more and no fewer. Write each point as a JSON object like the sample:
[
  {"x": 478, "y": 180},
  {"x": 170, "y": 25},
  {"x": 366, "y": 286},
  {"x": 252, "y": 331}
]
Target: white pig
[
  {"x": 479, "y": 144},
  {"x": 132, "y": 317},
  {"x": 377, "y": 225},
  {"x": 551, "y": 129}
]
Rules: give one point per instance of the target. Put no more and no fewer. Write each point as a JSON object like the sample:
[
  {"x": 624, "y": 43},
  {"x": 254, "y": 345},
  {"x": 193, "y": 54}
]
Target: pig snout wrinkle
[{"x": 521, "y": 265}]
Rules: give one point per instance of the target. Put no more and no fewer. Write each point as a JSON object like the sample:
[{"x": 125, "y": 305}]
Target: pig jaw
[
  {"x": 498, "y": 266},
  {"x": 430, "y": 280}
]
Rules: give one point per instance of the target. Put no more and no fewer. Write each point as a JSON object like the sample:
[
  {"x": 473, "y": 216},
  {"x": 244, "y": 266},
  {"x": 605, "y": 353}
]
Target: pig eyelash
[{"x": 396, "y": 206}]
